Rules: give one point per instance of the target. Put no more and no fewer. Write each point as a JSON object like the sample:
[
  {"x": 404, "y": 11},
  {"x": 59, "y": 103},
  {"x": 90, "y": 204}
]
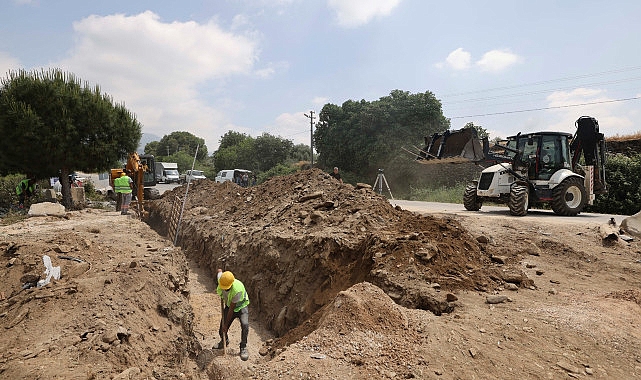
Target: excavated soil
[{"x": 342, "y": 285}]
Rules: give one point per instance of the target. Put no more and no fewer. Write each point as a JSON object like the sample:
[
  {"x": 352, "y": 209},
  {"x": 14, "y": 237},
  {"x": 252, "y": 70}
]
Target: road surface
[{"x": 502, "y": 212}]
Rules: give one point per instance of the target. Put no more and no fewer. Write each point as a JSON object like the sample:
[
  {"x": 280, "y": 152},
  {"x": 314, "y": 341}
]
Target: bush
[
  {"x": 443, "y": 194},
  {"x": 623, "y": 176},
  {"x": 277, "y": 170}
]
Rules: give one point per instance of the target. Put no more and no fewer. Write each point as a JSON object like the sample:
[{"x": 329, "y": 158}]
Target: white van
[{"x": 240, "y": 177}]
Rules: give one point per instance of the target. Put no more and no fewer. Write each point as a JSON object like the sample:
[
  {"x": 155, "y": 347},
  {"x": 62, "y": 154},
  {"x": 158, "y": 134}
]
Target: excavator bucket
[{"x": 461, "y": 145}]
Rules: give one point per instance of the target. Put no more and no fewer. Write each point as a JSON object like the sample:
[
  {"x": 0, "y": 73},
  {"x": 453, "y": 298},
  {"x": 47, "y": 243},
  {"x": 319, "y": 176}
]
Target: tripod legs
[{"x": 380, "y": 179}]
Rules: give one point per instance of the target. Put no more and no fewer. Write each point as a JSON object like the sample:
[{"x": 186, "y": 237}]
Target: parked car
[{"x": 192, "y": 175}]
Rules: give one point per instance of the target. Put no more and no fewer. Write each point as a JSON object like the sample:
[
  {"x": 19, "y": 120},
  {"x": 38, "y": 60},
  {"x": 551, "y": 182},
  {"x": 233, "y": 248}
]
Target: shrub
[{"x": 623, "y": 176}]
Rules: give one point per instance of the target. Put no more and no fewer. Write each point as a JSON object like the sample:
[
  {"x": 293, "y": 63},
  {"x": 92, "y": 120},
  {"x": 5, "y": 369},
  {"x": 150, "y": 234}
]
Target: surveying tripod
[{"x": 379, "y": 181}]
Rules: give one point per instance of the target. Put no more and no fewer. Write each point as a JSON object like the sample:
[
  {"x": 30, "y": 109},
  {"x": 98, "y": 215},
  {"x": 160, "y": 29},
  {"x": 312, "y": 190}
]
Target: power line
[
  {"x": 547, "y": 108},
  {"x": 495, "y": 97},
  {"x": 616, "y": 71}
]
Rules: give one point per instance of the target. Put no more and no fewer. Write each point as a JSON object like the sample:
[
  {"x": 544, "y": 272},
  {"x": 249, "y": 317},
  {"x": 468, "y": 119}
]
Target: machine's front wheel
[
  {"x": 569, "y": 197},
  {"x": 519, "y": 200},
  {"x": 470, "y": 199}
]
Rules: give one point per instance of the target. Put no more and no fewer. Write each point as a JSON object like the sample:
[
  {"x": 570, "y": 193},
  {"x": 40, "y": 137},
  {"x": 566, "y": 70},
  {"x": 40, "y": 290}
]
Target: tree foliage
[
  {"x": 52, "y": 125},
  {"x": 181, "y": 142},
  {"x": 360, "y": 137},
  {"x": 240, "y": 151},
  {"x": 151, "y": 147}
]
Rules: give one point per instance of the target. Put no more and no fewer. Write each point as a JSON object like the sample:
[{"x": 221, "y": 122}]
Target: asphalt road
[{"x": 502, "y": 212}]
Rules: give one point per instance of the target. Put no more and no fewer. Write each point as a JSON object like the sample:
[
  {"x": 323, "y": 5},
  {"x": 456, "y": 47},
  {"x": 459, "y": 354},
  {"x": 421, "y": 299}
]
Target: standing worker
[
  {"x": 236, "y": 300},
  {"x": 124, "y": 186},
  {"x": 25, "y": 189}
]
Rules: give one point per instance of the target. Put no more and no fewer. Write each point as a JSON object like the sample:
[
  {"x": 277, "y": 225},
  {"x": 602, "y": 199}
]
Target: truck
[
  {"x": 240, "y": 177},
  {"x": 167, "y": 172},
  {"x": 560, "y": 169},
  {"x": 191, "y": 175}
]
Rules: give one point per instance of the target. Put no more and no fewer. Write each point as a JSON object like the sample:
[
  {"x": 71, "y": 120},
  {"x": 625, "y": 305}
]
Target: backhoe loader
[
  {"x": 562, "y": 170},
  {"x": 141, "y": 169}
]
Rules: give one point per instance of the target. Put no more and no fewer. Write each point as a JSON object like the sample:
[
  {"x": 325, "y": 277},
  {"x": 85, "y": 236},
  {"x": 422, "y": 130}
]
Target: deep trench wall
[{"x": 287, "y": 279}]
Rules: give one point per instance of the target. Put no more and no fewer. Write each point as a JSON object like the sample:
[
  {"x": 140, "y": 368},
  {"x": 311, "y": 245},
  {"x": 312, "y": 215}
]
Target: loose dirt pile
[{"x": 342, "y": 286}]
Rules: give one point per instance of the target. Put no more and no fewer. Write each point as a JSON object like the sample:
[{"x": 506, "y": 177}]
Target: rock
[
  {"x": 77, "y": 269},
  {"x": 589, "y": 371},
  {"x": 632, "y": 225},
  {"x": 46, "y": 208},
  {"x": 533, "y": 250},
  {"x": 307, "y": 197},
  {"x": 110, "y": 336},
  {"x": 567, "y": 366},
  {"x": 61, "y": 249},
  {"x": 360, "y": 185},
  {"x": 499, "y": 259},
  {"x": 483, "y": 239},
  {"x": 427, "y": 253},
  {"x": 552, "y": 291},
  {"x": 510, "y": 286},
  {"x": 496, "y": 299},
  {"x": 514, "y": 277},
  {"x": 539, "y": 272},
  {"x": 449, "y": 297}
]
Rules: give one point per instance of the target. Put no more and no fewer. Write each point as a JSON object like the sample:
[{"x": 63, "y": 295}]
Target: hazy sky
[{"x": 257, "y": 66}]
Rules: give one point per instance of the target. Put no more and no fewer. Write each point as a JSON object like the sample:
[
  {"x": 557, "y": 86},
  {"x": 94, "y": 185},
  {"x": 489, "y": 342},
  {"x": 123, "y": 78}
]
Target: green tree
[
  {"x": 271, "y": 151},
  {"x": 181, "y": 142},
  {"x": 151, "y": 147},
  {"x": 52, "y": 125},
  {"x": 361, "y": 137},
  {"x": 300, "y": 152},
  {"x": 232, "y": 138}
]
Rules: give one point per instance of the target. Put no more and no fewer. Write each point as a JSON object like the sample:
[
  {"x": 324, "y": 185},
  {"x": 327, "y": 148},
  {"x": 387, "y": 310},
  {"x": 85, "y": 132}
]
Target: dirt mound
[
  {"x": 297, "y": 241},
  {"x": 118, "y": 306}
]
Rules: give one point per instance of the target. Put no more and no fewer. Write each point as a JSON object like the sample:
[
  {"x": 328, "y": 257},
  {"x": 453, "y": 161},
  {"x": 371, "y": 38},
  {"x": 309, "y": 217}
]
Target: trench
[{"x": 296, "y": 243}]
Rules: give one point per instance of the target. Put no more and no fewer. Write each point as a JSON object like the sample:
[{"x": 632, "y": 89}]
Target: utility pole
[{"x": 311, "y": 134}]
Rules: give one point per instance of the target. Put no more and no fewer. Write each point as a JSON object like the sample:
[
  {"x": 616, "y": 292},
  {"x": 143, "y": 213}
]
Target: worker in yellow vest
[
  {"x": 25, "y": 189},
  {"x": 124, "y": 185},
  {"x": 236, "y": 300}
]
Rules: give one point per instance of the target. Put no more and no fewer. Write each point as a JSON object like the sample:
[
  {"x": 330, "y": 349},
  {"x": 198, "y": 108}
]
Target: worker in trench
[{"x": 235, "y": 300}]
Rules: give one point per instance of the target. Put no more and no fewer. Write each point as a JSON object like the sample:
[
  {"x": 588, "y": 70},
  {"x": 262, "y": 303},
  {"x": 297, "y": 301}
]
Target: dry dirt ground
[{"x": 342, "y": 286}]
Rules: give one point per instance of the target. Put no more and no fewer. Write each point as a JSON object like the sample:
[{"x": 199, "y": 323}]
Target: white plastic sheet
[{"x": 50, "y": 271}]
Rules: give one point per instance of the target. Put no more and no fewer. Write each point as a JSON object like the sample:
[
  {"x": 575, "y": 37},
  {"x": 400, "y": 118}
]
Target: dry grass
[{"x": 635, "y": 136}]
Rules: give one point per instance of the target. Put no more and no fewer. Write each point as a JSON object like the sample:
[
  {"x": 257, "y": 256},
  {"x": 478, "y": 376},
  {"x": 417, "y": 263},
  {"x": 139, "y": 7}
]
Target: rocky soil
[{"x": 342, "y": 285}]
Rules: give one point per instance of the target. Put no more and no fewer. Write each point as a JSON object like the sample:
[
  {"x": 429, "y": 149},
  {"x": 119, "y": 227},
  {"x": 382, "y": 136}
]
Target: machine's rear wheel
[
  {"x": 569, "y": 197},
  {"x": 519, "y": 200},
  {"x": 470, "y": 199}
]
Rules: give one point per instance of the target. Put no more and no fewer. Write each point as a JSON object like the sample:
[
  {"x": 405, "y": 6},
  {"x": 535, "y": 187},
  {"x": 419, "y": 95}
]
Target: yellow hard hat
[
  {"x": 226, "y": 279},
  {"x": 123, "y": 174}
]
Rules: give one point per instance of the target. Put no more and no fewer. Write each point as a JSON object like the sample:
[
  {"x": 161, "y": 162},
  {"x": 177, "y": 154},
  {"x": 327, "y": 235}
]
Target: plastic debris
[{"x": 50, "y": 271}]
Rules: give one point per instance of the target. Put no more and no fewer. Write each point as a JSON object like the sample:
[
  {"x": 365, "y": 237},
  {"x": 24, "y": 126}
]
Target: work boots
[{"x": 244, "y": 354}]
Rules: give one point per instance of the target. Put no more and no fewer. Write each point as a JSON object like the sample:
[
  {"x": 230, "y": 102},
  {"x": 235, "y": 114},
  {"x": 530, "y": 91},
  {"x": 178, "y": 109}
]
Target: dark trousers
[{"x": 243, "y": 317}]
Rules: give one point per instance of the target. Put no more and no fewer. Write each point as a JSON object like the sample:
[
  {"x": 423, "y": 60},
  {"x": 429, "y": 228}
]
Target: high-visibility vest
[
  {"x": 24, "y": 186},
  {"x": 236, "y": 287},
  {"x": 121, "y": 185}
]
